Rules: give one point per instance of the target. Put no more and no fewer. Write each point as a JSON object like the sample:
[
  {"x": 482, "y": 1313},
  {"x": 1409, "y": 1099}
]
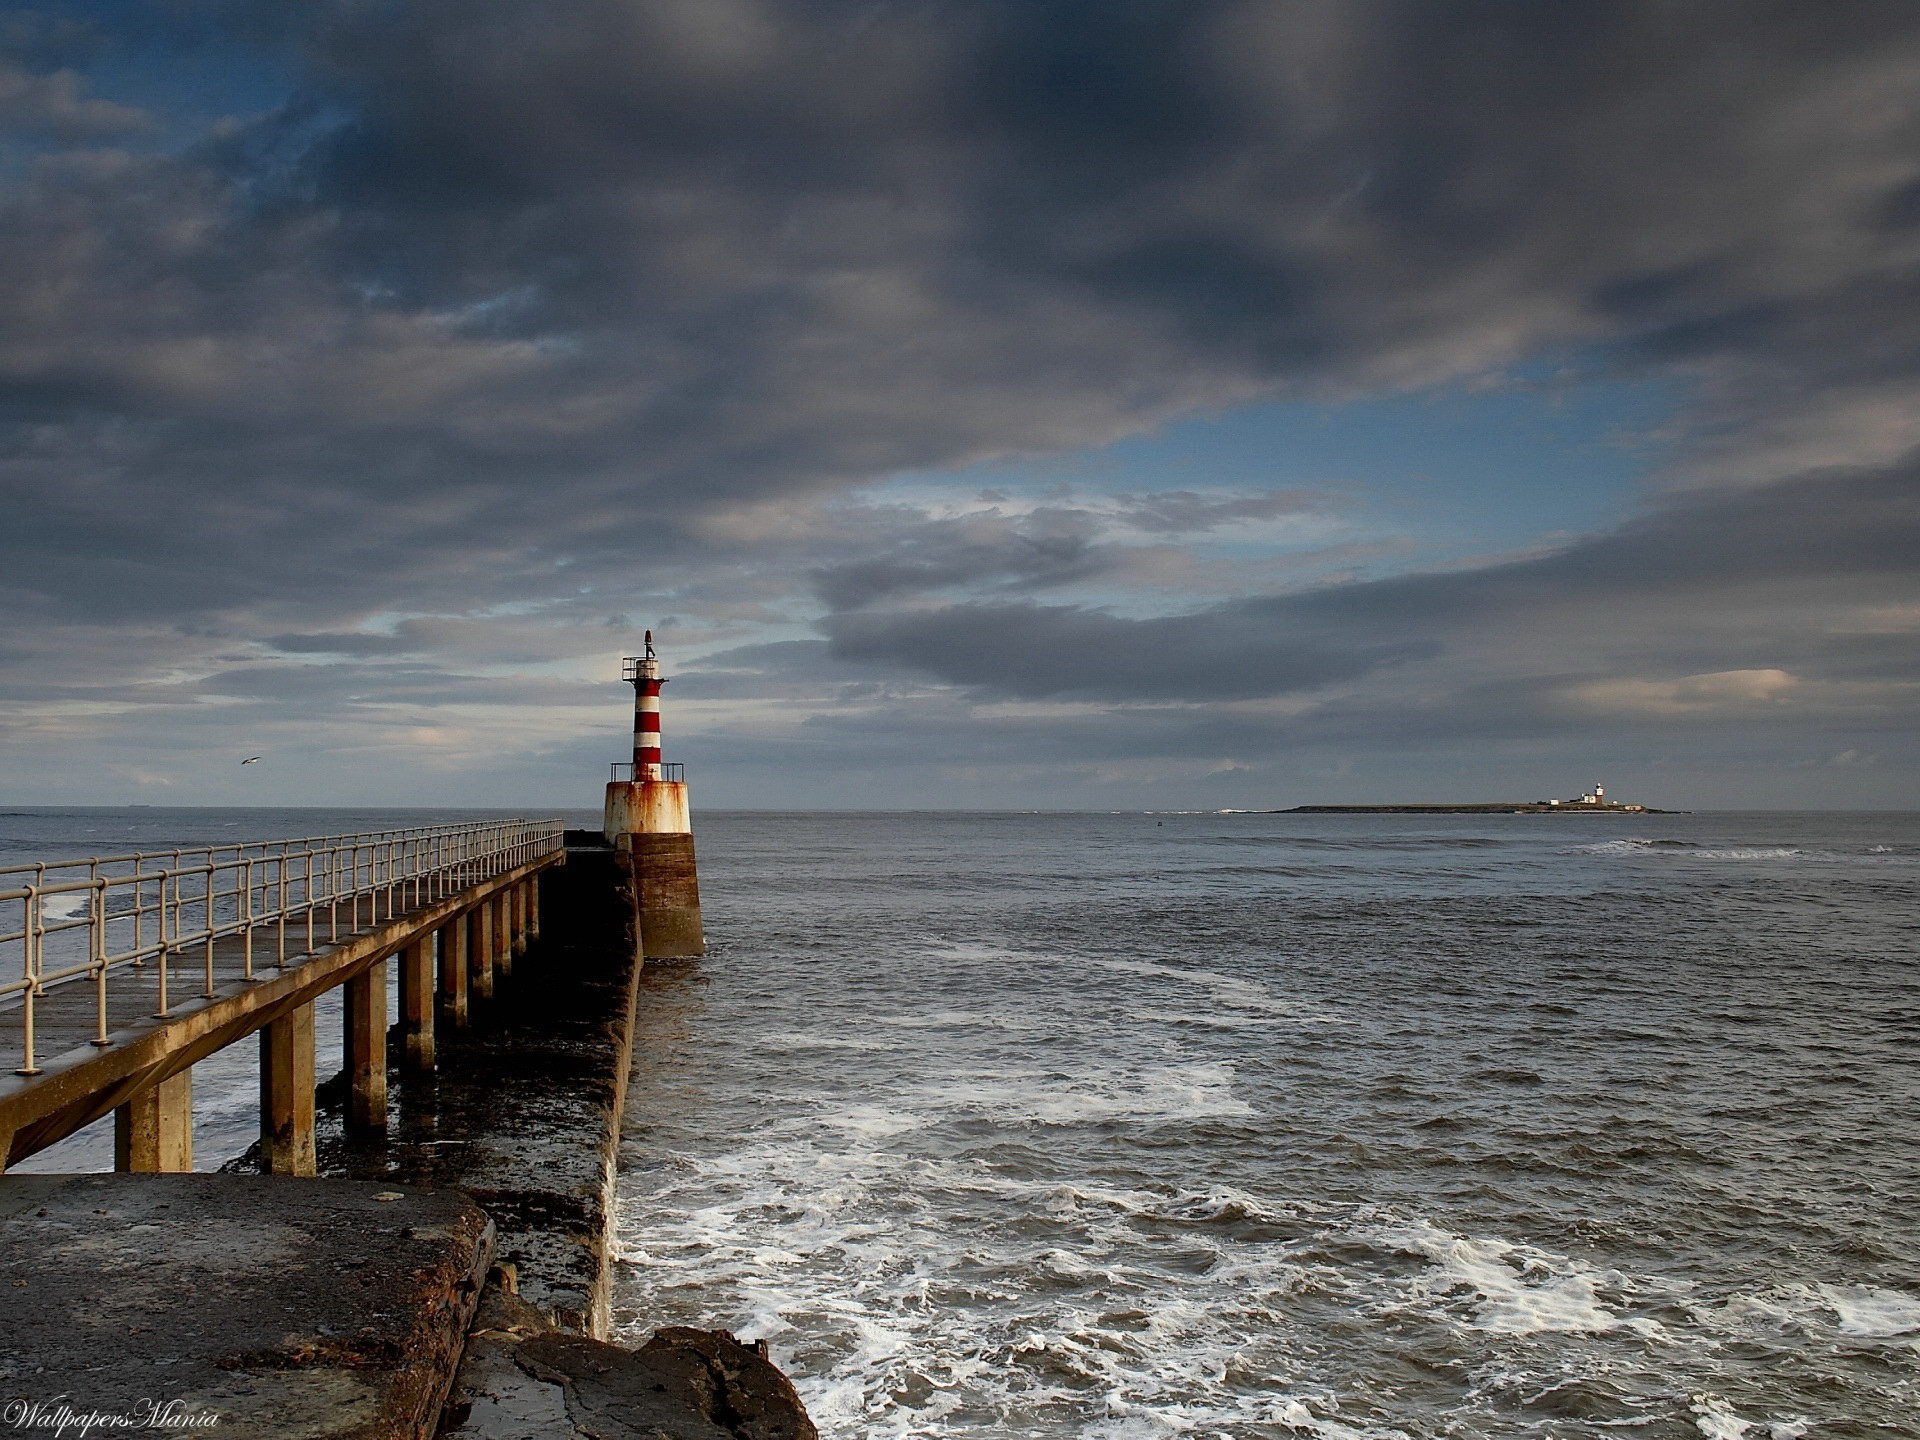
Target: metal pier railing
[{"x": 75, "y": 922}]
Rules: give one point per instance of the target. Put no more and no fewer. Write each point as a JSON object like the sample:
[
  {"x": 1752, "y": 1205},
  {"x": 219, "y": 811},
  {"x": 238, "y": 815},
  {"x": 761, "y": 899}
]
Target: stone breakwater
[{"x": 345, "y": 1305}]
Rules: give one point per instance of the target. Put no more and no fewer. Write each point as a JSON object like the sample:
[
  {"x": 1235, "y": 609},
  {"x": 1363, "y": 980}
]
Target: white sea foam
[
  {"x": 1228, "y": 990},
  {"x": 1212, "y": 1020},
  {"x": 1716, "y": 1420},
  {"x": 963, "y": 1019},
  {"x": 1515, "y": 1289},
  {"x": 1872, "y": 1313},
  {"x": 1861, "y": 1312},
  {"x": 1687, "y": 850},
  {"x": 817, "y": 1040},
  {"x": 1202, "y": 1091},
  {"x": 896, "y": 1324},
  {"x": 875, "y": 1122},
  {"x": 71, "y": 906}
]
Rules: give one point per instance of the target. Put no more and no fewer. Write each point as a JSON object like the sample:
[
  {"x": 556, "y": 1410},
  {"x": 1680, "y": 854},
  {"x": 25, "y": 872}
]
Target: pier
[
  {"x": 432, "y": 1260},
  {"x": 132, "y": 967}
]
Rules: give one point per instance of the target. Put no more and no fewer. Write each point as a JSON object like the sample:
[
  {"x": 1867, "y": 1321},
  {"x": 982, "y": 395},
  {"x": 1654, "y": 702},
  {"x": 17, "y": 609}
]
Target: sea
[{"x": 1366, "y": 1127}]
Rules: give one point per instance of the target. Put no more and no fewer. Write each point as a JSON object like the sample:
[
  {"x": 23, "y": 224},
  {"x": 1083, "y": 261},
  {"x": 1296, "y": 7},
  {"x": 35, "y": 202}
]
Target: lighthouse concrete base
[
  {"x": 649, "y": 822},
  {"x": 647, "y": 807},
  {"x": 667, "y": 885}
]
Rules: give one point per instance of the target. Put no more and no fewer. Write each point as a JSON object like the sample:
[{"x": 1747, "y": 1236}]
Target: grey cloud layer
[
  {"x": 1688, "y": 584},
  {"x": 540, "y": 306}
]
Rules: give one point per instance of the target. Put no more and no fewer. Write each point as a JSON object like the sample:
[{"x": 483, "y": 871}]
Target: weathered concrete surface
[
  {"x": 647, "y": 807},
  {"x": 522, "y": 1110},
  {"x": 290, "y": 1308},
  {"x": 524, "y": 1381},
  {"x": 667, "y": 878}
]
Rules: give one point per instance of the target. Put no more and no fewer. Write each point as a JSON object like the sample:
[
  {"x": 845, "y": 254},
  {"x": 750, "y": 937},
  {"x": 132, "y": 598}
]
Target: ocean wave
[
  {"x": 1198, "y": 1091},
  {"x": 1228, "y": 990},
  {"x": 819, "y": 1040},
  {"x": 1852, "y": 1313},
  {"x": 1872, "y": 1313},
  {"x": 1370, "y": 842},
  {"x": 1509, "y": 1288},
  {"x": 1690, "y": 849}
]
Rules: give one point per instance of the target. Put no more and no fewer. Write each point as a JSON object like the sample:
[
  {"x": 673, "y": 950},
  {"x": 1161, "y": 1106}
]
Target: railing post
[
  {"x": 246, "y": 917},
  {"x": 286, "y": 1094},
  {"x": 35, "y": 936},
  {"x": 212, "y": 878},
  {"x": 153, "y": 1131},
  {"x": 166, "y": 945},
  {"x": 97, "y": 942},
  {"x": 366, "y": 1027}
]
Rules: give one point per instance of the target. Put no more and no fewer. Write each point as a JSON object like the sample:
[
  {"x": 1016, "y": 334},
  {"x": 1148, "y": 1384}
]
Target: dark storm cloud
[
  {"x": 1038, "y": 650},
  {"x": 1697, "y": 572},
  {"x": 1183, "y": 512},
  {"x": 570, "y": 268},
  {"x": 544, "y": 310},
  {"x": 1051, "y": 548}
]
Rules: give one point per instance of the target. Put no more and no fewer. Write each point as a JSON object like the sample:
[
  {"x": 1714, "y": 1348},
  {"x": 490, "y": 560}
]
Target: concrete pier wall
[
  {"x": 522, "y": 1107},
  {"x": 666, "y": 882}
]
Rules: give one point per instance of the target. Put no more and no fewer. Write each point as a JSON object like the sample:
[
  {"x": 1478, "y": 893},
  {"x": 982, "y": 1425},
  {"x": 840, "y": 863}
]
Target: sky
[{"x": 987, "y": 403}]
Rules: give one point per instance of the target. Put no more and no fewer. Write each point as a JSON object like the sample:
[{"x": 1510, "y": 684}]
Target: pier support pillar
[
  {"x": 533, "y": 909},
  {"x": 153, "y": 1132},
  {"x": 366, "y": 1036},
  {"x": 480, "y": 951},
  {"x": 503, "y": 933},
  {"x": 519, "y": 900},
  {"x": 286, "y": 1094},
  {"x": 416, "y": 1006},
  {"x": 453, "y": 971}
]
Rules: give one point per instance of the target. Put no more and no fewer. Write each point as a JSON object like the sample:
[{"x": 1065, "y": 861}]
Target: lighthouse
[{"x": 650, "y": 823}]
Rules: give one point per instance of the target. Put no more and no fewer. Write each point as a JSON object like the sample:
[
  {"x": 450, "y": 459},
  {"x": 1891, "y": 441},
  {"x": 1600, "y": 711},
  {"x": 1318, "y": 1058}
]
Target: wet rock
[
  {"x": 734, "y": 1385},
  {"x": 523, "y": 1380}
]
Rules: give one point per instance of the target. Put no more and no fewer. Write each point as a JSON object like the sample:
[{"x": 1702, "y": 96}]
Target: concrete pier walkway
[{"x": 236, "y": 1306}]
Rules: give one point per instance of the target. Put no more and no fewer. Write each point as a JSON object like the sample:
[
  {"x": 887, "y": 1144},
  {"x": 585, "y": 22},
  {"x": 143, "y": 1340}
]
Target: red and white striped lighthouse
[
  {"x": 650, "y": 825},
  {"x": 644, "y": 672}
]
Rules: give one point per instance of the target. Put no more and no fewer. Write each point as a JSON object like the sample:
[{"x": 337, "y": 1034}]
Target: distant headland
[{"x": 1594, "y": 802}]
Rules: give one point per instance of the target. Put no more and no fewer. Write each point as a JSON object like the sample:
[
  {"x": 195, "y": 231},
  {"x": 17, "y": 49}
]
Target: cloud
[
  {"x": 55, "y": 105},
  {"x": 1707, "y": 695},
  {"x": 1829, "y": 544},
  {"x": 496, "y": 321},
  {"x": 1037, "y": 651}
]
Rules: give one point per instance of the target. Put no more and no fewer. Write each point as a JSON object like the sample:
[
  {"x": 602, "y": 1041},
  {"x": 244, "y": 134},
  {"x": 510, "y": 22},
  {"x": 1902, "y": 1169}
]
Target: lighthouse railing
[
  {"x": 674, "y": 771},
  {"x": 272, "y": 902}
]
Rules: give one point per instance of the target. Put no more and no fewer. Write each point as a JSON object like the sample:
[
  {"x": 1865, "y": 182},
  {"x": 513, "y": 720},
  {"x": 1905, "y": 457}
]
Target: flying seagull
[{"x": 250, "y": 759}]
